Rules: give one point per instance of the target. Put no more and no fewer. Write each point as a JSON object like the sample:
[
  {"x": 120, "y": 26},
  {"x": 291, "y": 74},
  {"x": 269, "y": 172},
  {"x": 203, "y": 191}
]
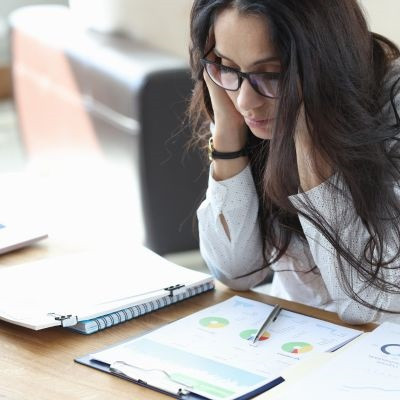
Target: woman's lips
[{"x": 258, "y": 123}]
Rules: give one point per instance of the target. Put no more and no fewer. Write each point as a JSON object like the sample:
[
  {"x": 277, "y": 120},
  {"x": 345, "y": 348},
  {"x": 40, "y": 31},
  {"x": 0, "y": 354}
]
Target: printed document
[
  {"x": 368, "y": 370},
  {"x": 210, "y": 352}
]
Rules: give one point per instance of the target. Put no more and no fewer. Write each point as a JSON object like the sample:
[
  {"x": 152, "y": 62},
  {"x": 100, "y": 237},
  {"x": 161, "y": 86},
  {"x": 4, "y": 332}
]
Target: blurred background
[{"x": 93, "y": 96}]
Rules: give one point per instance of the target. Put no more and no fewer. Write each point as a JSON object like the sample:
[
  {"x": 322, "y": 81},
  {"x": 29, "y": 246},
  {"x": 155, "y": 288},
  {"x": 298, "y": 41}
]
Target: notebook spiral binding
[{"x": 106, "y": 321}]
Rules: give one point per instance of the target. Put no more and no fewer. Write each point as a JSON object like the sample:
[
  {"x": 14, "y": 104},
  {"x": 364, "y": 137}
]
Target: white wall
[
  {"x": 383, "y": 17},
  {"x": 165, "y": 23},
  {"x": 162, "y": 23}
]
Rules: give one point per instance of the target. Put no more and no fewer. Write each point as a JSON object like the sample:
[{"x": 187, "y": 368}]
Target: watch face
[{"x": 210, "y": 148}]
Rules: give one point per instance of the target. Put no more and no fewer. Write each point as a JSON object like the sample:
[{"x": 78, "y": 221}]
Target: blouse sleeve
[
  {"x": 340, "y": 215},
  {"x": 229, "y": 259}
]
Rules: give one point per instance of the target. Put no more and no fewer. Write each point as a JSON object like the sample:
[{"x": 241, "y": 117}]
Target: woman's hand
[
  {"x": 230, "y": 134},
  {"x": 230, "y": 128},
  {"x": 312, "y": 167}
]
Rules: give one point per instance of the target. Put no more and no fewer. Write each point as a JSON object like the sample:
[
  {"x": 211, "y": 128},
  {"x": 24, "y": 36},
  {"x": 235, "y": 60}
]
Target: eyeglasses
[{"x": 264, "y": 83}]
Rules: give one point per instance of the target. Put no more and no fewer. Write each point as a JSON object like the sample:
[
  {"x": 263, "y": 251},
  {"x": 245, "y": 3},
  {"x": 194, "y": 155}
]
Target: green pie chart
[
  {"x": 250, "y": 333},
  {"x": 214, "y": 322},
  {"x": 297, "y": 347}
]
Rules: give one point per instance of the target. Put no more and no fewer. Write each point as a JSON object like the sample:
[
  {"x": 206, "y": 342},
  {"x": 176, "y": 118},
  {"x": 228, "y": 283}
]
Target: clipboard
[
  {"x": 208, "y": 354},
  {"x": 153, "y": 382}
]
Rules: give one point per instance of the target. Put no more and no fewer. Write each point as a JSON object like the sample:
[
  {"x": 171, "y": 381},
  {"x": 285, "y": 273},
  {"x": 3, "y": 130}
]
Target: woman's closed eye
[
  {"x": 274, "y": 75},
  {"x": 225, "y": 68}
]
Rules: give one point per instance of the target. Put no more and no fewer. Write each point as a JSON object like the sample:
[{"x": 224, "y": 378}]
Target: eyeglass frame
[{"x": 241, "y": 75}]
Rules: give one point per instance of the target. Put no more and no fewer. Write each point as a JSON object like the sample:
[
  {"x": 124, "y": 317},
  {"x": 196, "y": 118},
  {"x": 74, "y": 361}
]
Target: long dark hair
[{"x": 347, "y": 81}]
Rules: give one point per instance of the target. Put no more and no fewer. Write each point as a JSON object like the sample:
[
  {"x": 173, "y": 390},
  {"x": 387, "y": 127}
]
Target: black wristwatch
[{"x": 214, "y": 154}]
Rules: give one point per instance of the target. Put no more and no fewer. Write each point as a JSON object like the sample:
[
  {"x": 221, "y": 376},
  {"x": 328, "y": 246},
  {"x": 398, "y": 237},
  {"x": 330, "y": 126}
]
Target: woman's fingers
[{"x": 223, "y": 107}]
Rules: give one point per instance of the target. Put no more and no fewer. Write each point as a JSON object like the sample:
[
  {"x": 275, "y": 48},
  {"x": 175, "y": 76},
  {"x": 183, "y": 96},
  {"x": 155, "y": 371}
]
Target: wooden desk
[{"x": 40, "y": 365}]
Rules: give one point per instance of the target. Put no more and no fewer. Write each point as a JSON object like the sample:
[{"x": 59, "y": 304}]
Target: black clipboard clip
[
  {"x": 156, "y": 378},
  {"x": 175, "y": 290},
  {"x": 66, "y": 320}
]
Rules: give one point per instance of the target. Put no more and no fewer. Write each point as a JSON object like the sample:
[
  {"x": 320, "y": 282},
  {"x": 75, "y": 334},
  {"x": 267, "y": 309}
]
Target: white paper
[
  {"x": 368, "y": 370},
  {"x": 15, "y": 234},
  {"x": 86, "y": 285},
  {"x": 210, "y": 350}
]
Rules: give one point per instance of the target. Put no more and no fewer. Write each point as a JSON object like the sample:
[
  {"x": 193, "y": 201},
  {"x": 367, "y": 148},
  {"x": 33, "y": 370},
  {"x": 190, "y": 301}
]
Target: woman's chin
[{"x": 264, "y": 133}]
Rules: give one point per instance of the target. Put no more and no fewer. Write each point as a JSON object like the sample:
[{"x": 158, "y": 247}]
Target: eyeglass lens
[{"x": 230, "y": 80}]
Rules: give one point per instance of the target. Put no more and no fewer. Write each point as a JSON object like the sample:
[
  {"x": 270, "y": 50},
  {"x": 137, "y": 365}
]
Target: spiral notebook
[
  {"x": 97, "y": 324},
  {"x": 88, "y": 292}
]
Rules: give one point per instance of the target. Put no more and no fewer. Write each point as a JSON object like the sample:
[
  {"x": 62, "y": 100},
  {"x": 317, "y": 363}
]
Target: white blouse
[{"x": 307, "y": 273}]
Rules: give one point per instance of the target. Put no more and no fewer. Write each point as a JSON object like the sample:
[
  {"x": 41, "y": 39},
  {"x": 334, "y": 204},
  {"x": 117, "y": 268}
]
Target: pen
[{"x": 271, "y": 318}]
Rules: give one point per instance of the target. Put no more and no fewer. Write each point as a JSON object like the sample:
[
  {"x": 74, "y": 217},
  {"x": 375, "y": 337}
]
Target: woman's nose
[{"x": 248, "y": 99}]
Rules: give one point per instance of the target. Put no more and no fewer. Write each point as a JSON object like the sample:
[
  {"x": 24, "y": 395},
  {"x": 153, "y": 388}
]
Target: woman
[{"x": 305, "y": 156}]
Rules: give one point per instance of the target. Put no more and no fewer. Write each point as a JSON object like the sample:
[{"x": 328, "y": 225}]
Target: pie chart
[
  {"x": 214, "y": 322},
  {"x": 297, "y": 347},
  {"x": 392, "y": 349},
  {"x": 250, "y": 333}
]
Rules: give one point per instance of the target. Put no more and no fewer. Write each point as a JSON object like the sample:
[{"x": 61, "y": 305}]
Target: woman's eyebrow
[{"x": 262, "y": 61}]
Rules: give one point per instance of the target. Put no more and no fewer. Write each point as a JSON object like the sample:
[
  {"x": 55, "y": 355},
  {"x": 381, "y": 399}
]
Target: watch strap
[{"x": 214, "y": 154}]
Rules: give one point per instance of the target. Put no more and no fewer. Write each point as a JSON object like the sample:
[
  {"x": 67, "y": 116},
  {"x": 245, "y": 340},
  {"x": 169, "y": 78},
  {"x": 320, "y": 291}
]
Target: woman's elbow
[{"x": 356, "y": 314}]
